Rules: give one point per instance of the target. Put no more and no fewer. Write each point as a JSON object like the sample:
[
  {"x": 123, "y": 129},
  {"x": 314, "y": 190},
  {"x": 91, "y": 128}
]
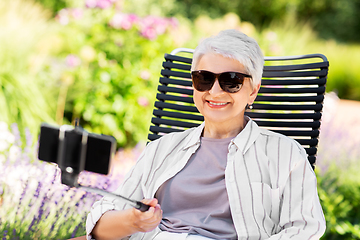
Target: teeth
[{"x": 217, "y": 104}]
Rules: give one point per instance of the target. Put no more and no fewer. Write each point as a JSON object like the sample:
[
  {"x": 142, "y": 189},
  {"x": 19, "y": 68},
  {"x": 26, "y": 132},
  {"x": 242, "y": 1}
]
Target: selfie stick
[
  {"x": 136, "y": 204},
  {"x": 69, "y": 176}
]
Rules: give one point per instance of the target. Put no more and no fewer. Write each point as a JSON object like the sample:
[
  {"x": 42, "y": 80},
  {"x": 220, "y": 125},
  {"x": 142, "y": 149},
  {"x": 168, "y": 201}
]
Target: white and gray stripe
[{"x": 271, "y": 186}]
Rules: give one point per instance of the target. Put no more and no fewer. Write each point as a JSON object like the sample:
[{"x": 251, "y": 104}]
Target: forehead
[{"x": 217, "y": 63}]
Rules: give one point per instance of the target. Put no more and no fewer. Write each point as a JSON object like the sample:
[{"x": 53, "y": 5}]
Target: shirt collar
[
  {"x": 194, "y": 136},
  {"x": 247, "y": 136}
]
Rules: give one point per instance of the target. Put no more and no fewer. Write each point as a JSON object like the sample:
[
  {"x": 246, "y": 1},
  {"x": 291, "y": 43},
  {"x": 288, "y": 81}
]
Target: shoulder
[
  {"x": 278, "y": 138},
  {"x": 280, "y": 146}
]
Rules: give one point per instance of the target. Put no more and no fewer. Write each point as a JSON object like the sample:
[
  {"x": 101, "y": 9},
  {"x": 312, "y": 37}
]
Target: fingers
[
  {"x": 147, "y": 221},
  {"x": 151, "y": 202}
]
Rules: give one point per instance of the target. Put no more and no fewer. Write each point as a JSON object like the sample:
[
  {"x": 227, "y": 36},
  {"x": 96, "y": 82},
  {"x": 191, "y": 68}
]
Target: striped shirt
[{"x": 271, "y": 186}]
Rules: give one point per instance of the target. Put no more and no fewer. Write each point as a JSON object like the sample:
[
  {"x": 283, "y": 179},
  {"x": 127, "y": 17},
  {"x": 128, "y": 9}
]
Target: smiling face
[{"x": 217, "y": 106}]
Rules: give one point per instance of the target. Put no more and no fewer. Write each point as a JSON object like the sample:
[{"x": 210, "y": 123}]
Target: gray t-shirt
[{"x": 195, "y": 200}]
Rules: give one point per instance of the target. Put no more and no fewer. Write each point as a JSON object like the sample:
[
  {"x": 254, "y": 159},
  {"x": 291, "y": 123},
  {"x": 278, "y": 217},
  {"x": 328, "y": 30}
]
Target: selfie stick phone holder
[{"x": 71, "y": 155}]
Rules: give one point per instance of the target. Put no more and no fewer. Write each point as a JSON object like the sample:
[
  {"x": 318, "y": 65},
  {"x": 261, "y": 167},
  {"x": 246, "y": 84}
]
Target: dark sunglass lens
[
  {"x": 202, "y": 80},
  {"x": 231, "y": 82}
]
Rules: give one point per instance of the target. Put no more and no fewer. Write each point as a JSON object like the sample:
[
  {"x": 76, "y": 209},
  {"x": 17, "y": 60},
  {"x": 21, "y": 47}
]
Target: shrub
[
  {"x": 110, "y": 63},
  {"x": 339, "y": 192},
  {"x": 23, "y": 45}
]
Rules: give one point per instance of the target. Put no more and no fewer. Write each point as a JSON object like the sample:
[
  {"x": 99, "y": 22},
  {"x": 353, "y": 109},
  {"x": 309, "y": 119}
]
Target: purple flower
[
  {"x": 5, "y": 235},
  {"x": 15, "y": 131}
]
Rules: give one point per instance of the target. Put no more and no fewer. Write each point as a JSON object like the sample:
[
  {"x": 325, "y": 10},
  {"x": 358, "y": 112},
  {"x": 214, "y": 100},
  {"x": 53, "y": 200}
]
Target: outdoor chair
[{"x": 290, "y": 99}]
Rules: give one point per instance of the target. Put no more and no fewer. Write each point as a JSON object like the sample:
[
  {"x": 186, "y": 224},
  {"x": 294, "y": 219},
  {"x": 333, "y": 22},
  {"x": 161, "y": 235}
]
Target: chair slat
[
  {"x": 304, "y": 142},
  {"x": 178, "y": 115},
  {"x": 156, "y": 129},
  {"x": 318, "y": 65},
  {"x": 166, "y": 89},
  {"x": 318, "y": 90},
  {"x": 312, "y": 160},
  {"x": 317, "y": 99},
  {"x": 152, "y": 137},
  {"x": 312, "y": 133},
  {"x": 292, "y": 124},
  {"x": 177, "y": 58},
  {"x": 315, "y": 116},
  {"x": 311, "y": 151},
  {"x": 285, "y": 82},
  {"x": 184, "y": 108},
  {"x": 170, "y": 65},
  {"x": 284, "y": 107},
  {"x": 166, "y": 81},
  {"x": 161, "y": 121},
  {"x": 160, "y": 96},
  {"x": 295, "y": 74}
]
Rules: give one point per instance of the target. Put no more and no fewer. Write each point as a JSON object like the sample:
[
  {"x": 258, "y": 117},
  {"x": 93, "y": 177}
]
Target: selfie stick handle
[{"x": 136, "y": 204}]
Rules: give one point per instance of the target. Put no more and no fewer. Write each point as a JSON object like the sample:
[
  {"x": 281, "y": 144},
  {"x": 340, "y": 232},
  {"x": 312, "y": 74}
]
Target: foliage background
[{"x": 99, "y": 61}]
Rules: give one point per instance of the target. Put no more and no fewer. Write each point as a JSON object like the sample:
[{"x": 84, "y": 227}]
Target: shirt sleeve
[
  {"x": 301, "y": 214},
  {"x": 130, "y": 188}
]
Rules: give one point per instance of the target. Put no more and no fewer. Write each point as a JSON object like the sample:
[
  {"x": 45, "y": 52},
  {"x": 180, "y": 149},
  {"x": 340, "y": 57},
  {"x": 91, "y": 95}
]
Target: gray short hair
[{"x": 235, "y": 45}]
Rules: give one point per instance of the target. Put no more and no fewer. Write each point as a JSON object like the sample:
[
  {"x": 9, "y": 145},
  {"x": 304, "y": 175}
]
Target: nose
[{"x": 216, "y": 89}]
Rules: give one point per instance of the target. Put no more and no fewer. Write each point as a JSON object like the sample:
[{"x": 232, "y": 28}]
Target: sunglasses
[{"x": 230, "y": 82}]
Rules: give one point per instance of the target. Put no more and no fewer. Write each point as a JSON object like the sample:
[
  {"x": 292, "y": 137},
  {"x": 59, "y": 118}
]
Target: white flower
[{"x": 14, "y": 153}]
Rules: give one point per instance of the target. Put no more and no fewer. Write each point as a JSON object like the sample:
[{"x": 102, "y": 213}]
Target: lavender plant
[{"x": 34, "y": 203}]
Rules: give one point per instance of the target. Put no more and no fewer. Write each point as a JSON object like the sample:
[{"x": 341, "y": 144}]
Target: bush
[
  {"x": 339, "y": 192},
  {"x": 23, "y": 45},
  {"x": 344, "y": 78},
  {"x": 110, "y": 65}
]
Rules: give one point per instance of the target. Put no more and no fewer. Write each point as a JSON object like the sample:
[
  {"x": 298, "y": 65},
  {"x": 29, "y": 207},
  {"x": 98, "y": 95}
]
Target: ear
[{"x": 254, "y": 93}]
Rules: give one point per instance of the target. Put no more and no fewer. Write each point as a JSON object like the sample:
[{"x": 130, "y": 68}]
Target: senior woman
[{"x": 227, "y": 178}]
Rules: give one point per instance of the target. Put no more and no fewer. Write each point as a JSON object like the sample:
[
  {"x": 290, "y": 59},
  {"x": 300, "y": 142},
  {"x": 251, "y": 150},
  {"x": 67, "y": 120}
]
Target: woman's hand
[
  {"x": 149, "y": 220},
  {"x": 119, "y": 224}
]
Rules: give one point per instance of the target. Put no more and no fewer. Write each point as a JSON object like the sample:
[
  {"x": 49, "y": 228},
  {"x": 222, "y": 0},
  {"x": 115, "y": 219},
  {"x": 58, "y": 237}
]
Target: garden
[{"x": 99, "y": 61}]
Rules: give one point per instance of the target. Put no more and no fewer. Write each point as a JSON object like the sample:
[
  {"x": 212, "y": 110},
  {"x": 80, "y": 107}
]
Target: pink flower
[
  {"x": 124, "y": 21},
  {"x": 72, "y": 61},
  {"x": 104, "y": 4},
  {"x": 173, "y": 22},
  {"x": 77, "y": 13},
  {"x": 133, "y": 18},
  {"x": 91, "y": 3},
  {"x": 63, "y": 17},
  {"x": 115, "y": 22},
  {"x": 149, "y": 32},
  {"x": 145, "y": 75},
  {"x": 143, "y": 101}
]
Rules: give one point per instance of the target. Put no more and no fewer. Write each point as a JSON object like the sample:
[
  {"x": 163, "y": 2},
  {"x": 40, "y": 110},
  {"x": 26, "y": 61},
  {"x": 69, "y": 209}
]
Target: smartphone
[{"x": 72, "y": 148}]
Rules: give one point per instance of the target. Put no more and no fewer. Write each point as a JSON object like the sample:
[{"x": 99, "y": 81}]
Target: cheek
[{"x": 197, "y": 97}]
